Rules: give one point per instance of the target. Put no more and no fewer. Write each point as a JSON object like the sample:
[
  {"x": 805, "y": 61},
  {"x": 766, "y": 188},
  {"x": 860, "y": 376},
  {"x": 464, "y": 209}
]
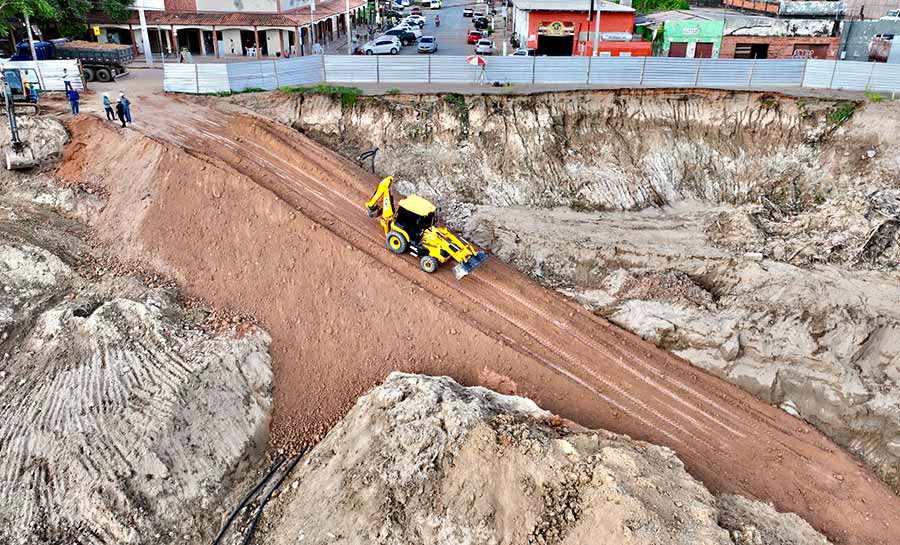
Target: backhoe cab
[{"x": 410, "y": 227}]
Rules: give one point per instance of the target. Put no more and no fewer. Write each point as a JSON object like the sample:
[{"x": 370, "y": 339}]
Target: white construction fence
[
  {"x": 764, "y": 74},
  {"x": 51, "y": 72}
]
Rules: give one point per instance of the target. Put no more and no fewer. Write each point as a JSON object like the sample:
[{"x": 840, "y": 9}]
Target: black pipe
[
  {"x": 265, "y": 500},
  {"x": 250, "y": 495}
]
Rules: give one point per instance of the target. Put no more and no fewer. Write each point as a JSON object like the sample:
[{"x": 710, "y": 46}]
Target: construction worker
[
  {"x": 73, "y": 97},
  {"x": 107, "y": 107}
]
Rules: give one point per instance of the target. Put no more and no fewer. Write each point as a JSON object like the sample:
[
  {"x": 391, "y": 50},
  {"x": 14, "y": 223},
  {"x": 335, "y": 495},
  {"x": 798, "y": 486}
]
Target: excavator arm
[{"x": 382, "y": 194}]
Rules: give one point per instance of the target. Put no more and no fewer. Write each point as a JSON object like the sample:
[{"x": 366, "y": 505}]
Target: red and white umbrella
[{"x": 476, "y": 60}]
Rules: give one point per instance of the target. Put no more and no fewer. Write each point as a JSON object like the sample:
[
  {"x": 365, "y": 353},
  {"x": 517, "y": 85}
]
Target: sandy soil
[{"x": 256, "y": 217}]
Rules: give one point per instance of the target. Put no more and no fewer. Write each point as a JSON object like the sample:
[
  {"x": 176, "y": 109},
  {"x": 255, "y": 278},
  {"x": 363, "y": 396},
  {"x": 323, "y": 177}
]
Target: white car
[
  {"x": 416, "y": 20},
  {"x": 410, "y": 27},
  {"x": 436, "y": 4},
  {"x": 484, "y": 47},
  {"x": 401, "y": 3},
  {"x": 523, "y": 53},
  {"x": 384, "y": 45}
]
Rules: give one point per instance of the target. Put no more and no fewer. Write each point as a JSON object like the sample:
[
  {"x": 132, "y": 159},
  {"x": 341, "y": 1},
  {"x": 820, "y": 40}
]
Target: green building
[{"x": 692, "y": 38}]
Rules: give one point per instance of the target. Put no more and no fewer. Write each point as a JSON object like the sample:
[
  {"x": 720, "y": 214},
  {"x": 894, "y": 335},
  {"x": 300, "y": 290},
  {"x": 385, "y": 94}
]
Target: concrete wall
[
  {"x": 873, "y": 9},
  {"x": 856, "y": 36},
  {"x": 258, "y": 6},
  {"x": 231, "y": 39},
  {"x": 749, "y": 26}
]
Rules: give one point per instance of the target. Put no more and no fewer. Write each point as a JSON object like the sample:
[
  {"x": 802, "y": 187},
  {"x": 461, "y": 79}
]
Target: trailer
[{"x": 101, "y": 62}]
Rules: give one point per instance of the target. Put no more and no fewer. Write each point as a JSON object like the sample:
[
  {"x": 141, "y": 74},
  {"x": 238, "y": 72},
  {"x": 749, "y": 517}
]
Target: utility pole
[
  {"x": 597, "y": 29},
  {"x": 312, "y": 26},
  {"x": 145, "y": 37},
  {"x": 349, "y": 42},
  {"x": 37, "y": 67}
]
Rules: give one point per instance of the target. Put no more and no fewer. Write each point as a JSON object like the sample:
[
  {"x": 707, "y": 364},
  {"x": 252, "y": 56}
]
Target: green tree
[
  {"x": 13, "y": 10},
  {"x": 70, "y": 15},
  {"x": 650, "y": 6}
]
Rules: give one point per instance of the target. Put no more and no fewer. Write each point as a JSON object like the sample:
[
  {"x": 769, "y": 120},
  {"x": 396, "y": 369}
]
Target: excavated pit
[
  {"x": 753, "y": 234},
  {"x": 254, "y": 217}
]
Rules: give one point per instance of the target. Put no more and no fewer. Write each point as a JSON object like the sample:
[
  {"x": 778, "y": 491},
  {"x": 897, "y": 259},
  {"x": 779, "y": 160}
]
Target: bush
[
  {"x": 392, "y": 91},
  {"x": 348, "y": 95},
  {"x": 841, "y": 113},
  {"x": 873, "y": 96},
  {"x": 250, "y": 90}
]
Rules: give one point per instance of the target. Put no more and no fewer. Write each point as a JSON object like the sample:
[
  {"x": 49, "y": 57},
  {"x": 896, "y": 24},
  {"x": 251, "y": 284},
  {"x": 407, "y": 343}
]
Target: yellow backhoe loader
[{"x": 410, "y": 227}]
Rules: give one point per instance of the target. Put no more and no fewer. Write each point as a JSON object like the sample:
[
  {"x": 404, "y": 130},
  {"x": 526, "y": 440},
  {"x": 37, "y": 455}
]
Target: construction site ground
[{"x": 256, "y": 218}]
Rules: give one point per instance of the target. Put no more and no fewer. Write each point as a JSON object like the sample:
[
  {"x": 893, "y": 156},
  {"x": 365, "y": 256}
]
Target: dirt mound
[
  {"x": 108, "y": 394},
  {"x": 249, "y": 214},
  {"x": 424, "y": 460},
  {"x": 46, "y": 136}
]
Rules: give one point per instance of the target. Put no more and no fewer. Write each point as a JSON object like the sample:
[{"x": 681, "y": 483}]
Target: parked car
[
  {"x": 393, "y": 14},
  {"x": 525, "y": 52},
  {"x": 416, "y": 19},
  {"x": 467, "y": 12},
  {"x": 413, "y": 28},
  {"x": 402, "y": 3},
  {"x": 416, "y": 11},
  {"x": 384, "y": 45},
  {"x": 478, "y": 13},
  {"x": 403, "y": 34},
  {"x": 474, "y": 36},
  {"x": 481, "y": 23},
  {"x": 436, "y": 4},
  {"x": 484, "y": 47},
  {"x": 427, "y": 44}
]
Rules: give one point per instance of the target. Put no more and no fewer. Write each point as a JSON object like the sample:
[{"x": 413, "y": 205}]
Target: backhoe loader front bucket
[{"x": 469, "y": 265}]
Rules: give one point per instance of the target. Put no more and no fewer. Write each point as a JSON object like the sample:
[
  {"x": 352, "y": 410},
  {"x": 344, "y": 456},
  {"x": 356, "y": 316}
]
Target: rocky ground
[
  {"x": 424, "y": 460},
  {"x": 753, "y": 234},
  {"x": 125, "y": 419}
]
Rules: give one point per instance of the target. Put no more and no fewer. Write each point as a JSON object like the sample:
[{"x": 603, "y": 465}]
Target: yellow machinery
[{"x": 411, "y": 228}]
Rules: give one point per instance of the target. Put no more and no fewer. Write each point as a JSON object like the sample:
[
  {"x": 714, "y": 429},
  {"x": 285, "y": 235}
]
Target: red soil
[{"x": 250, "y": 215}]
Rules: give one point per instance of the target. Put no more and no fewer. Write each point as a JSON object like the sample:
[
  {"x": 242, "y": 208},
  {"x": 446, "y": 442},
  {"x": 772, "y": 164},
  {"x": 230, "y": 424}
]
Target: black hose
[
  {"x": 250, "y": 495},
  {"x": 272, "y": 490}
]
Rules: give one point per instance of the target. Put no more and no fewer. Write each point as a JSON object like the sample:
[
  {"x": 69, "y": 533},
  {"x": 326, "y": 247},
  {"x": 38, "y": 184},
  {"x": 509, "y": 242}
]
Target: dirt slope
[{"x": 252, "y": 215}]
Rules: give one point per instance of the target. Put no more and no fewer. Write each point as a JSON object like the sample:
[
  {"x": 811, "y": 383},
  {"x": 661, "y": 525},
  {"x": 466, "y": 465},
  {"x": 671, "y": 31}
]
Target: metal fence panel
[
  {"x": 403, "y": 69},
  {"x": 818, "y": 73},
  {"x": 351, "y": 68},
  {"x": 852, "y": 75},
  {"x": 267, "y": 75},
  {"x": 243, "y": 76},
  {"x": 616, "y": 70},
  {"x": 509, "y": 69},
  {"x": 561, "y": 69},
  {"x": 212, "y": 78},
  {"x": 51, "y": 73},
  {"x": 886, "y": 77},
  {"x": 180, "y": 78},
  {"x": 724, "y": 73},
  {"x": 453, "y": 69},
  {"x": 300, "y": 70},
  {"x": 665, "y": 72},
  {"x": 775, "y": 73}
]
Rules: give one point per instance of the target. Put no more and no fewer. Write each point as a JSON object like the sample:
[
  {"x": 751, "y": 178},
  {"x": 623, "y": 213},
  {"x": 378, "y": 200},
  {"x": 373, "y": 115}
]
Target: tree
[
  {"x": 13, "y": 10},
  {"x": 71, "y": 15}
]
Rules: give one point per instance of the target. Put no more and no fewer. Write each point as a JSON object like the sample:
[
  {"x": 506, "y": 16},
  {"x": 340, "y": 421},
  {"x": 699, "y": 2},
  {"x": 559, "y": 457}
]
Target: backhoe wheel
[
  {"x": 428, "y": 264},
  {"x": 396, "y": 242}
]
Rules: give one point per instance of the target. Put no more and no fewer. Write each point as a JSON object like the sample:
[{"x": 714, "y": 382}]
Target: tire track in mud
[{"x": 731, "y": 441}]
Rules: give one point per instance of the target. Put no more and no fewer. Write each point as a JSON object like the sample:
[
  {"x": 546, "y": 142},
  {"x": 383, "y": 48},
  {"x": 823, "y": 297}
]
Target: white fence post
[
  {"x": 697, "y": 74},
  {"x": 533, "y": 69},
  {"x": 831, "y": 81},
  {"x": 643, "y": 67},
  {"x": 197, "y": 78},
  {"x": 587, "y": 80},
  {"x": 750, "y": 77},
  {"x": 429, "y": 68},
  {"x": 869, "y": 80},
  {"x": 275, "y": 69},
  {"x": 377, "y": 69},
  {"x": 324, "y": 75}
]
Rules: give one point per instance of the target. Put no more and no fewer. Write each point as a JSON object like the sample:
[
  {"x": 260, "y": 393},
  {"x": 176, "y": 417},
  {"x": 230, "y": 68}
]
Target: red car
[
  {"x": 474, "y": 36},
  {"x": 416, "y": 11}
]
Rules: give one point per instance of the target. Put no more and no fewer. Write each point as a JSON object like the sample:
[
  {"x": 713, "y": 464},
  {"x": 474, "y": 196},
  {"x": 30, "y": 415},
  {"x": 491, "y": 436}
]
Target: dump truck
[{"x": 101, "y": 62}]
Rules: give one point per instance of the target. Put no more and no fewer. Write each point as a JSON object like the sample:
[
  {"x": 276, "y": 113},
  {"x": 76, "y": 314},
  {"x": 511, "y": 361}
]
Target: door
[
  {"x": 703, "y": 50},
  {"x": 811, "y": 51},
  {"x": 678, "y": 49}
]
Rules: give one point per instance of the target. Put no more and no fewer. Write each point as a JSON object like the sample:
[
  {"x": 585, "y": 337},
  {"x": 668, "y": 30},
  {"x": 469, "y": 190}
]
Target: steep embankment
[
  {"x": 249, "y": 214},
  {"x": 761, "y": 245}
]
